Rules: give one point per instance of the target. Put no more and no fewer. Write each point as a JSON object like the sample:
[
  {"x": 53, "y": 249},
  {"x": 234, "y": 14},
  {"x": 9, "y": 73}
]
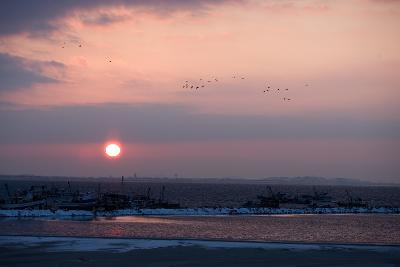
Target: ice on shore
[
  {"x": 194, "y": 212},
  {"x": 119, "y": 245}
]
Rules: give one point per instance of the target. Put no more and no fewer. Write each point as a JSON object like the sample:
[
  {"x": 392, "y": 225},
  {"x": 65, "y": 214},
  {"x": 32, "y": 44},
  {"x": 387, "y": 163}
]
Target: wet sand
[{"x": 32, "y": 251}]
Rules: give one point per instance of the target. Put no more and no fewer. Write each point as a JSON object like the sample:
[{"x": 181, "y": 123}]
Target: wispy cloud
[
  {"x": 19, "y": 73},
  {"x": 104, "y": 19},
  {"x": 36, "y": 17}
]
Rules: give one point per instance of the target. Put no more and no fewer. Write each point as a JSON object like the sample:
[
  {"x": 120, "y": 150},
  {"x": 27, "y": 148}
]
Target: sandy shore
[{"x": 69, "y": 251}]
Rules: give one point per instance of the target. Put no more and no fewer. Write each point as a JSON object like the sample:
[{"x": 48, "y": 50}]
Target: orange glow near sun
[{"x": 113, "y": 150}]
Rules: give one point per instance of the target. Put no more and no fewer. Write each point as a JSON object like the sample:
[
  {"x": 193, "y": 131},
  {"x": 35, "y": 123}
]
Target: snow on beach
[
  {"x": 194, "y": 212},
  {"x": 120, "y": 245}
]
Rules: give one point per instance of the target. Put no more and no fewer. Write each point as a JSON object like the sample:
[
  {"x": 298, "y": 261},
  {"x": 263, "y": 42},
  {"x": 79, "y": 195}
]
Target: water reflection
[
  {"x": 117, "y": 219},
  {"x": 352, "y": 228},
  {"x": 49, "y": 218},
  {"x": 137, "y": 219}
]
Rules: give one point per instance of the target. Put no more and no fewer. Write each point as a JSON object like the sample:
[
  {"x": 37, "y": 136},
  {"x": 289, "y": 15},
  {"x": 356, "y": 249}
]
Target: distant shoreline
[{"x": 296, "y": 180}]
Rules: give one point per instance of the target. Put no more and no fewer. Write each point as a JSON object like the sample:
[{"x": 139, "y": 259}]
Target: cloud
[
  {"x": 147, "y": 123},
  {"x": 39, "y": 16},
  {"x": 103, "y": 19},
  {"x": 20, "y": 73}
]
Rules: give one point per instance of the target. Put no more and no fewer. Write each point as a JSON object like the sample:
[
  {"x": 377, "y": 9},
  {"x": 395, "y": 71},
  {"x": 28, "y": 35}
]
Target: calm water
[{"x": 368, "y": 228}]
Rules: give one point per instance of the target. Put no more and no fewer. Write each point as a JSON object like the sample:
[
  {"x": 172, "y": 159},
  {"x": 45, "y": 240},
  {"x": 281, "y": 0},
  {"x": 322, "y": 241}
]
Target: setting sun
[{"x": 113, "y": 150}]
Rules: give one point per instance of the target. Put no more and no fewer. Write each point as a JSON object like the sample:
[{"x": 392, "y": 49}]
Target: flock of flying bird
[
  {"x": 278, "y": 90},
  {"x": 80, "y": 45},
  {"x": 201, "y": 83}
]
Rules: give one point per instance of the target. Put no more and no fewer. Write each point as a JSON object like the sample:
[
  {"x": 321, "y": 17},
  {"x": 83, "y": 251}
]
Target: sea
[
  {"x": 381, "y": 229},
  {"x": 309, "y": 228}
]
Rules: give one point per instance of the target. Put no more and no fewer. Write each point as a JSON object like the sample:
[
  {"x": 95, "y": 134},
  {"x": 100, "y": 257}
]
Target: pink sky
[{"x": 347, "y": 51}]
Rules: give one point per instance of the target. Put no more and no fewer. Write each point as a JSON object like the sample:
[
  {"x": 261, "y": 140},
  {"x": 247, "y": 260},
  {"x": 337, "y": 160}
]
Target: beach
[{"x": 69, "y": 251}]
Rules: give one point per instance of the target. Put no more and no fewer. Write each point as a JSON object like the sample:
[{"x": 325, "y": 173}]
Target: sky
[{"x": 77, "y": 75}]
